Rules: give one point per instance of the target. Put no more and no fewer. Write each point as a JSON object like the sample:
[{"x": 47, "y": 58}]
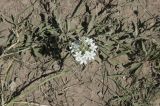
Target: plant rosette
[{"x": 83, "y": 50}]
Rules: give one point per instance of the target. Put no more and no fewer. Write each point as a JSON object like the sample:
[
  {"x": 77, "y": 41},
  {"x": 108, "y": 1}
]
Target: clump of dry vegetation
[{"x": 37, "y": 67}]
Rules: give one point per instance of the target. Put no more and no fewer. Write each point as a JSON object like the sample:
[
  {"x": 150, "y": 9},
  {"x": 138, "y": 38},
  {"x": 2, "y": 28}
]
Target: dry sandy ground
[{"x": 81, "y": 87}]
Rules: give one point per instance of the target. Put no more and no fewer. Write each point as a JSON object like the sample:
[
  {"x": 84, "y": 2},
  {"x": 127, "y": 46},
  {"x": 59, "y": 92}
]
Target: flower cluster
[{"x": 83, "y": 50}]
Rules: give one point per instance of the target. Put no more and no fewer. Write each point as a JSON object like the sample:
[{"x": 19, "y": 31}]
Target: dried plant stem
[
  {"x": 2, "y": 96},
  {"x": 33, "y": 87},
  {"x": 9, "y": 54},
  {"x": 29, "y": 103},
  {"x": 13, "y": 45}
]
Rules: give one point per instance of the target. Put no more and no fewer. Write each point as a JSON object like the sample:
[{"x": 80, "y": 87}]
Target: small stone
[
  {"x": 12, "y": 86},
  {"x": 56, "y": 66}
]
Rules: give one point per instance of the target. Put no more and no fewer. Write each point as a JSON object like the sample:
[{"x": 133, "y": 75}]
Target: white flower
[
  {"x": 83, "y": 50},
  {"x": 93, "y": 47},
  {"x": 83, "y": 60},
  {"x": 78, "y": 55},
  {"x": 80, "y": 58},
  {"x": 90, "y": 55},
  {"x": 74, "y": 47},
  {"x": 89, "y": 41}
]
